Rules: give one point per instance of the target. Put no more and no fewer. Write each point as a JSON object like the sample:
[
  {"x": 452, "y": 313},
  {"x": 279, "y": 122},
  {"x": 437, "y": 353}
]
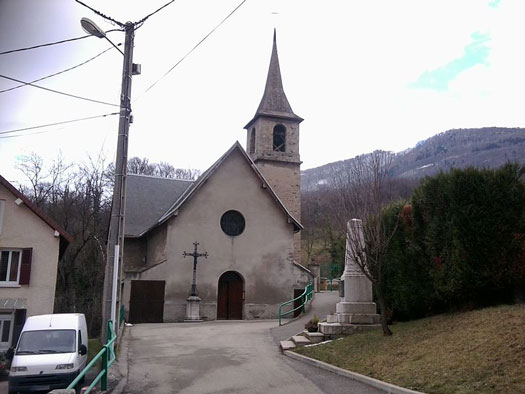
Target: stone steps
[
  {"x": 287, "y": 345},
  {"x": 314, "y": 337},
  {"x": 300, "y": 340}
]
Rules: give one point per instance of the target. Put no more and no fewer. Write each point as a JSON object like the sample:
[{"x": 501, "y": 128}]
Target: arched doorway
[{"x": 230, "y": 296}]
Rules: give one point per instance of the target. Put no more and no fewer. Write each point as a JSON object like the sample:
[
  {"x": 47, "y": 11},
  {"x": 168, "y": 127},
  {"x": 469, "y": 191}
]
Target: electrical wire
[
  {"x": 141, "y": 22},
  {"x": 52, "y": 43},
  {"x": 57, "y": 73},
  {"x": 192, "y": 49},
  {"x": 101, "y": 14},
  {"x": 44, "y": 45},
  {"x": 59, "y": 92},
  {"x": 53, "y": 124}
]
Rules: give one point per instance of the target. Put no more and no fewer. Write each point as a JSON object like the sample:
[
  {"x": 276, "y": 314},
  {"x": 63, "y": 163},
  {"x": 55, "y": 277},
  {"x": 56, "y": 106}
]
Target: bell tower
[{"x": 273, "y": 143}]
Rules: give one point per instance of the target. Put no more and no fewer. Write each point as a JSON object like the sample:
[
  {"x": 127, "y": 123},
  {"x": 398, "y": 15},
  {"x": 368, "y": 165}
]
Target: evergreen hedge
[{"x": 459, "y": 242}]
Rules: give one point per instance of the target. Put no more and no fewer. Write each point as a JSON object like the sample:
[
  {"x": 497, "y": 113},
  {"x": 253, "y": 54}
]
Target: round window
[{"x": 232, "y": 223}]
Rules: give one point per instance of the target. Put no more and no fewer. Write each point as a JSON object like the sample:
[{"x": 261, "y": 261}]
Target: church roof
[
  {"x": 209, "y": 172},
  {"x": 274, "y": 102},
  {"x": 150, "y": 201},
  {"x": 147, "y": 199}
]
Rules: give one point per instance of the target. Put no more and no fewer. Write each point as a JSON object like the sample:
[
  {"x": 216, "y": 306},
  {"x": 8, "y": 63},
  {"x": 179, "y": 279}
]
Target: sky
[{"x": 364, "y": 75}]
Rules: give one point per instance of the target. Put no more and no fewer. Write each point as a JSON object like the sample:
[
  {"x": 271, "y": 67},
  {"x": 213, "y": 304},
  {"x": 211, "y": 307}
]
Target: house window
[
  {"x": 279, "y": 138},
  {"x": 252, "y": 141},
  {"x": 6, "y": 329},
  {"x": 10, "y": 261}
]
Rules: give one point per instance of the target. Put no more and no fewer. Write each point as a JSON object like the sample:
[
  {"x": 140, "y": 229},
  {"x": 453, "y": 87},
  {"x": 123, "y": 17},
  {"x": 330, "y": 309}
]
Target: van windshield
[{"x": 47, "y": 341}]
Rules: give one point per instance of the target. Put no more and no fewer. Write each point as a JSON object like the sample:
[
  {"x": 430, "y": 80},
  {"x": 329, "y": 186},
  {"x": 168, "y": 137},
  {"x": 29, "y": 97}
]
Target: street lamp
[
  {"x": 91, "y": 28},
  {"x": 115, "y": 244}
]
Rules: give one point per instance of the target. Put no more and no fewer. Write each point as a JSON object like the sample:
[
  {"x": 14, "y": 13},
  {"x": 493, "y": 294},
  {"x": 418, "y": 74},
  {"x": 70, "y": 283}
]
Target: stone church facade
[{"x": 244, "y": 211}]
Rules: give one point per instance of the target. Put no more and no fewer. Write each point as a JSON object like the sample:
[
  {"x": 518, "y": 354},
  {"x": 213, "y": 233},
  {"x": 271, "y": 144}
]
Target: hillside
[
  {"x": 481, "y": 351},
  {"x": 488, "y": 147}
]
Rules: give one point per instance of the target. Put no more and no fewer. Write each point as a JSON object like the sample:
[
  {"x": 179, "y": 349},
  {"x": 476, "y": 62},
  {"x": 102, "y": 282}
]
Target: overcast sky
[{"x": 364, "y": 75}]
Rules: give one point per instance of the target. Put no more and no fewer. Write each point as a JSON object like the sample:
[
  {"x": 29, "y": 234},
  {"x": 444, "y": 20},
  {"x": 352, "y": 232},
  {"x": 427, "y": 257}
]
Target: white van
[{"x": 51, "y": 351}]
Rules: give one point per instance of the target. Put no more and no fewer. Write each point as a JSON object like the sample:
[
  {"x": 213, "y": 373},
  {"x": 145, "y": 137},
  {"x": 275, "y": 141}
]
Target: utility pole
[{"x": 115, "y": 246}]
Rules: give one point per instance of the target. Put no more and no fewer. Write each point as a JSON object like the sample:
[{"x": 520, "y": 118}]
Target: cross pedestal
[{"x": 192, "y": 309}]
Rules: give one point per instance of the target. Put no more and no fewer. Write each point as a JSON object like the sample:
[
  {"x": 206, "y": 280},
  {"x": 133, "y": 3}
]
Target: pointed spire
[{"x": 274, "y": 101}]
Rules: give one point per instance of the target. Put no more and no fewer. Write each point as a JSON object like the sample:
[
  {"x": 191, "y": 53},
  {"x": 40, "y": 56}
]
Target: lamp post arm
[{"x": 115, "y": 46}]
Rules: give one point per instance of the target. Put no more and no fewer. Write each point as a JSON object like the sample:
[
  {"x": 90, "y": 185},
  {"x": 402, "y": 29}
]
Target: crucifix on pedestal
[{"x": 192, "y": 302}]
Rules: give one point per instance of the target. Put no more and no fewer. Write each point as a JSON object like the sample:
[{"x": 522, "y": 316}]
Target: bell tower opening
[
  {"x": 279, "y": 138},
  {"x": 252, "y": 141}
]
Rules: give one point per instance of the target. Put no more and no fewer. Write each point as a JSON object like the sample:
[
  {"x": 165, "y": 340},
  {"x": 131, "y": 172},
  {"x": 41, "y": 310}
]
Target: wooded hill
[{"x": 488, "y": 147}]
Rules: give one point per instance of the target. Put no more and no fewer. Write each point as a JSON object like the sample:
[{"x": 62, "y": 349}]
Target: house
[
  {"x": 244, "y": 212},
  {"x": 30, "y": 246}
]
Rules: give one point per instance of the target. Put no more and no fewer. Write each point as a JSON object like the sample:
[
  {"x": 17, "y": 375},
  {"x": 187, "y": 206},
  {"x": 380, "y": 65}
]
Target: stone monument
[{"x": 356, "y": 311}]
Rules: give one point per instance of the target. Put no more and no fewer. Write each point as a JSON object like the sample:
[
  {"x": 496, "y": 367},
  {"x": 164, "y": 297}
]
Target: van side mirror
[
  {"x": 82, "y": 350},
  {"x": 10, "y": 353}
]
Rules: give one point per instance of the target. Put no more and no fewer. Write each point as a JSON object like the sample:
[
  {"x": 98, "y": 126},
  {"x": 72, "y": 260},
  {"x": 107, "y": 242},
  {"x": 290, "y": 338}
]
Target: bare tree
[
  {"x": 142, "y": 166},
  {"x": 77, "y": 199},
  {"x": 45, "y": 185},
  {"x": 362, "y": 192}
]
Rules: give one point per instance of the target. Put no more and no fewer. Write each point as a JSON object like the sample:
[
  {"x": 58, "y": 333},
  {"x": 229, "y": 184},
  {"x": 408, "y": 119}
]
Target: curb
[{"x": 379, "y": 384}]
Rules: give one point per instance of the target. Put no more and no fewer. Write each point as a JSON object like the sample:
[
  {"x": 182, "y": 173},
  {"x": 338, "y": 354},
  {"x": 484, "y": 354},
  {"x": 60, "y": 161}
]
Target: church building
[{"x": 244, "y": 213}]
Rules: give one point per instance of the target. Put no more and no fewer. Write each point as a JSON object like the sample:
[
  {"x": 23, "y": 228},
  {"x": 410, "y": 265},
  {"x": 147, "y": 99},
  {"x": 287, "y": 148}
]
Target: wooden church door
[{"x": 230, "y": 296}]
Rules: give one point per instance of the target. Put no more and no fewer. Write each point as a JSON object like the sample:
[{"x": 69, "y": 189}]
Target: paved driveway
[{"x": 218, "y": 357}]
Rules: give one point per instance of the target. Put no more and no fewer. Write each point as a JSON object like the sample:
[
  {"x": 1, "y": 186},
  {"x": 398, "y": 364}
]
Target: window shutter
[{"x": 25, "y": 267}]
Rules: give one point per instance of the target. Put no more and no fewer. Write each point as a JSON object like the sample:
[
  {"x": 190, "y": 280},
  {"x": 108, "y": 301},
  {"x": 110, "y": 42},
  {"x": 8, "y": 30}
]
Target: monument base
[
  {"x": 192, "y": 309},
  {"x": 337, "y": 329}
]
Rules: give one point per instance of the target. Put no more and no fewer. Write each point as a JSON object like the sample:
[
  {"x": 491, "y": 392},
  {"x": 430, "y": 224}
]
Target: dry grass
[{"x": 481, "y": 351}]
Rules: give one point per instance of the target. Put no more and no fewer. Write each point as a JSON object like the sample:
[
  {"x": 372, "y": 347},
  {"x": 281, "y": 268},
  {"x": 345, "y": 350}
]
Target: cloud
[
  {"x": 475, "y": 53},
  {"x": 494, "y": 3}
]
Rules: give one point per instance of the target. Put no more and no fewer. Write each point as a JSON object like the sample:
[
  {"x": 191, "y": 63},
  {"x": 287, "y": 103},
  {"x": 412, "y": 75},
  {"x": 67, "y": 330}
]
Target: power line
[
  {"x": 52, "y": 43},
  {"x": 192, "y": 49},
  {"x": 153, "y": 13},
  {"x": 59, "y": 92},
  {"x": 101, "y": 14},
  {"x": 53, "y": 124},
  {"x": 57, "y": 73},
  {"x": 44, "y": 45}
]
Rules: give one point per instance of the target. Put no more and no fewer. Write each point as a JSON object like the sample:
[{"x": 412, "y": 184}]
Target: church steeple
[
  {"x": 273, "y": 143},
  {"x": 274, "y": 102}
]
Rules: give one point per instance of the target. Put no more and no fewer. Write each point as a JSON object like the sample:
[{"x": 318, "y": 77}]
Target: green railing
[
  {"x": 107, "y": 356},
  {"x": 306, "y": 296}
]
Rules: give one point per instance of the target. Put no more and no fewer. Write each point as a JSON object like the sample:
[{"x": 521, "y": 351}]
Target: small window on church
[
  {"x": 232, "y": 223},
  {"x": 279, "y": 138},
  {"x": 252, "y": 141}
]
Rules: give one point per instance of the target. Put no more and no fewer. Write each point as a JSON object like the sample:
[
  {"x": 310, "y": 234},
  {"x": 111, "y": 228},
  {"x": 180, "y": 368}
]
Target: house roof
[
  {"x": 274, "y": 102},
  {"x": 64, "y": 236},
  {"x": 190, "y": 191},
  {"x": 147, "y": 199}
]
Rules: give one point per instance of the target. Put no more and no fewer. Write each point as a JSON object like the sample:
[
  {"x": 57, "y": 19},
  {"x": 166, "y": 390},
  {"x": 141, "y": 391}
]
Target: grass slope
[{"x": 481, "y": 351}]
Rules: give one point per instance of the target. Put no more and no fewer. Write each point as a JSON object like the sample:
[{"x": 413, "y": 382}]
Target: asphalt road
[{"x": 217, "y": 357}]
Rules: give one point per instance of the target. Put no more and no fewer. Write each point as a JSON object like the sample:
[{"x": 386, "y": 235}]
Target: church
[{"x": 242, "y": 214}]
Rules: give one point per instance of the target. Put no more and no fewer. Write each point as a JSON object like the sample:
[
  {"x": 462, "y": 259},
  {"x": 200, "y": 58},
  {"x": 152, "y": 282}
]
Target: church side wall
[{"x": 262, "y": 254}]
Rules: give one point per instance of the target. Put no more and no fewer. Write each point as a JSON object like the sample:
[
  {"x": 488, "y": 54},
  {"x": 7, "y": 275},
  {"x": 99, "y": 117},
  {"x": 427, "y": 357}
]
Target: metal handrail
[
  {"x": 306, "y": 296},
  {"x": 107, "y": 354}
]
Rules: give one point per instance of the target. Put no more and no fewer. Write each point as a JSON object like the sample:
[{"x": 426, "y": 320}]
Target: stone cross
[{"x": 195, "y": 256}]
